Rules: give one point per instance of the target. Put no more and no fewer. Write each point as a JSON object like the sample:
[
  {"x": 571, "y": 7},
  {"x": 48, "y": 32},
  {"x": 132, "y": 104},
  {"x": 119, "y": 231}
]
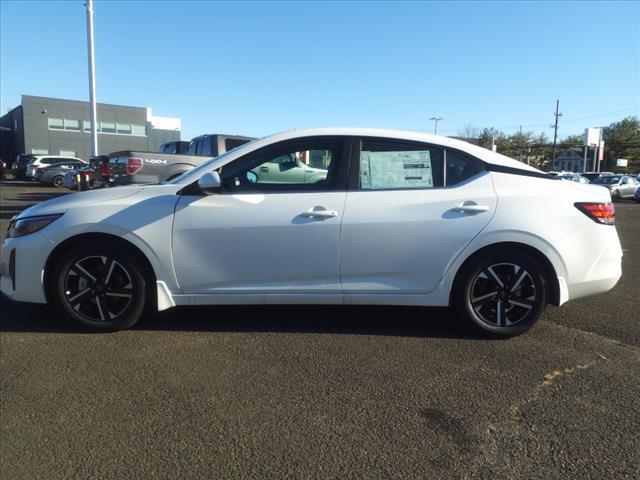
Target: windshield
[
  {"x": 196, "y": 172},
  {"x": 607, "y": 180}
]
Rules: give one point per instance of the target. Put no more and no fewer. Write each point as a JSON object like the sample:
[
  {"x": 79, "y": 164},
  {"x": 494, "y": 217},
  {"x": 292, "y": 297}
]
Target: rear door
[{"x": 411, "y": 209}]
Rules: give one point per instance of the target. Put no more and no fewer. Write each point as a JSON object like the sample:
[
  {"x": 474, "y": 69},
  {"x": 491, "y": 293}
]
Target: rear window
[
  {"x": 607, "y": 180},
  {"x": 231, "y": 143},
  {"x": 193, "y": 146},
  {"x": 205, "y": 148}
]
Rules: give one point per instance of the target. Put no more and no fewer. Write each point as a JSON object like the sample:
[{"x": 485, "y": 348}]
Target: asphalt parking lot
[{"x": 323, "y": 392}]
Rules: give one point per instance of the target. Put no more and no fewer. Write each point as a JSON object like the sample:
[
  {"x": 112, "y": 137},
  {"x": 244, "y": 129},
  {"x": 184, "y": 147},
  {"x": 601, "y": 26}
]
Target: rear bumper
[{"x": 593, "y": 260}]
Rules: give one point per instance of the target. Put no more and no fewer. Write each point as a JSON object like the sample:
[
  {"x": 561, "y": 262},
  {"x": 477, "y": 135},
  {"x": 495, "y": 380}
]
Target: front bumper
[{"x": 21, "y": 277}]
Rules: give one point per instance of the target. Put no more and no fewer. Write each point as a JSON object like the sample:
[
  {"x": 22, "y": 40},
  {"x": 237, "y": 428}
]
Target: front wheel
[
  {"x": 502, "y": 293},
  {"x": 99, "y": 287}
]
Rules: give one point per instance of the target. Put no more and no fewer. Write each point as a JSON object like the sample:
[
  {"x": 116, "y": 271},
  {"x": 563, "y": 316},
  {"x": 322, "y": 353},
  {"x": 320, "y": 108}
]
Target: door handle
[
  {"x": 319, "y": 212},
  {"x": 470, "y": 207}
]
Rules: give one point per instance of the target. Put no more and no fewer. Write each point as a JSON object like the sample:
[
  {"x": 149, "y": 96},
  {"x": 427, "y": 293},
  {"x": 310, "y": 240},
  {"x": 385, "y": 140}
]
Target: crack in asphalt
[
  {"x": 598, "y": 336},
  {"x": 548, "y": 382}
]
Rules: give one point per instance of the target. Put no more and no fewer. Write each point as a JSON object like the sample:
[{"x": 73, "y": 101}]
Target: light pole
[
  {"x": 435, "y": 128},
  {"x": 92, "y": 79}
]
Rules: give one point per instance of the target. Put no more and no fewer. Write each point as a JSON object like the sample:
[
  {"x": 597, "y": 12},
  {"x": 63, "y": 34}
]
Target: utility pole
[
  {"x": 555, "y": 132},
  {"x": 92, "y": 79},
  {"x": 520, "y": 146},
  {"x": 436, "y": 119}
]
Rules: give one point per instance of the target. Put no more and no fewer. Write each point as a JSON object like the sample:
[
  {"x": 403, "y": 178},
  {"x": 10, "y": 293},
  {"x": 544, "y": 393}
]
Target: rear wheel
[
  {"x": 58, "y": 181},
  {"x": 501, "y": 292},
  {"x": 99, "y": 287}
]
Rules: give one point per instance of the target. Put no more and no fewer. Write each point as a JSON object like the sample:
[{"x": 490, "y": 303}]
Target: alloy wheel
[
  {"x": 503, "y": 294},
  {"x": 98, "y": 288}
]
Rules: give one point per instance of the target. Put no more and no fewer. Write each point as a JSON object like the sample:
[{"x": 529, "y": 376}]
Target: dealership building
[{"x": 42, "y": 125}]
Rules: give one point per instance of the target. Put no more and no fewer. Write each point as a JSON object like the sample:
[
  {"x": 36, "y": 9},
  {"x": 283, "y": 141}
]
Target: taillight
[
  {"x": 133, "y": 165},
  {"x": 104, "y": 169},
  {"x": 604, "y": 213}
]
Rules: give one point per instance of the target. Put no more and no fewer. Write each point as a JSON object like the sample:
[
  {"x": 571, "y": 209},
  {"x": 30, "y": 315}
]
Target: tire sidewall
[
  {"x": 59, "y": 182},
  {"x": 140, "y": 285},
  {"x": 462, "y": 297}
]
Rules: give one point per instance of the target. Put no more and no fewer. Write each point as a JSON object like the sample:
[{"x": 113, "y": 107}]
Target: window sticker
[{"x": 405, "y": 169}]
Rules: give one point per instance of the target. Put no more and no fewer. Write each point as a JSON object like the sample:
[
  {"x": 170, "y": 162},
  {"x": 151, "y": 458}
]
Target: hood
[{"x": 63, "y": 203}]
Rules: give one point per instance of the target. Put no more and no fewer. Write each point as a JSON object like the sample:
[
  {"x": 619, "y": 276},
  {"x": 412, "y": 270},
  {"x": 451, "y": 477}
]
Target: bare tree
[{"x": 469, "y": 132}]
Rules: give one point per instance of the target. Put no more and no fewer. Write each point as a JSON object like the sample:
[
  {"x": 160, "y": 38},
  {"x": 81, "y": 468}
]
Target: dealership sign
[{"x": 592, "y": 136}]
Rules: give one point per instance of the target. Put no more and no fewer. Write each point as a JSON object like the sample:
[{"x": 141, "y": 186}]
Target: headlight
[{"x": 25, "y": 226}]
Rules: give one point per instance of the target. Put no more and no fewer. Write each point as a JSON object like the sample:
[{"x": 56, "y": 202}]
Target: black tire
[
  {"x": 115, "y": 298},
  {"x": 487, "y": 285},
  {"x": 58, "y": 181},
  {"x": 615, "y": 196}
]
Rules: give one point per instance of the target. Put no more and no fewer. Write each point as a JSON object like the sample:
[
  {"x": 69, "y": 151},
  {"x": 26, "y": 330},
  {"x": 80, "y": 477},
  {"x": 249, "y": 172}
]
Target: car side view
[
  {"x": 391, "y": 218},
  {"x": 620, "y": 186},
  {"x": 54, "y": 174}
]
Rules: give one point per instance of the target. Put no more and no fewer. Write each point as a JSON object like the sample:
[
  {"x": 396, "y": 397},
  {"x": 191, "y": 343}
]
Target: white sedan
[{"x": 400, "y": 218}]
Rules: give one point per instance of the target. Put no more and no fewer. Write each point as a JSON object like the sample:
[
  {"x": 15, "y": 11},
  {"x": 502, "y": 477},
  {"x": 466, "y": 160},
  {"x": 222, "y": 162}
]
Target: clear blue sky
[{"x": 258, "y": 68}]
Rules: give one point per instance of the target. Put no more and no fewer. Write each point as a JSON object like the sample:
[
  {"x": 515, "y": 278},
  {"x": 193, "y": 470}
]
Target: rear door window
[{"x": 399, "y": 165}]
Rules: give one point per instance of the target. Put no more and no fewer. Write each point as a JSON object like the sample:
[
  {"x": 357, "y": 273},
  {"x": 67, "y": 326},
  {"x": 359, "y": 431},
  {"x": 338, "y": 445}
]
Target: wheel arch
[
  {"x": 553, "y": 286},
  {"x": 83, "y": 238}
]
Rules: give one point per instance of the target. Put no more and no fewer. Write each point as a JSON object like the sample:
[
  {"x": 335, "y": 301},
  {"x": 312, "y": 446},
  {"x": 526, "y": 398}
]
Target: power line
[{"x": 534, "y": 125}]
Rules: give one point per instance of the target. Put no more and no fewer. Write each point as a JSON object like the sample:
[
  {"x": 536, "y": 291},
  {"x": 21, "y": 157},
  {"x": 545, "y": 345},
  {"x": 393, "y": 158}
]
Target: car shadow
[
  {"x": 39, "y": 196},
  {"x": 425, "y": 322},
  {"x": 8, "y": 211}
]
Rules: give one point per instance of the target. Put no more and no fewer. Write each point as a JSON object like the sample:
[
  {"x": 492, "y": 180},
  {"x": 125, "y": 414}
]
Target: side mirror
[{"x": 210, "y": 183}]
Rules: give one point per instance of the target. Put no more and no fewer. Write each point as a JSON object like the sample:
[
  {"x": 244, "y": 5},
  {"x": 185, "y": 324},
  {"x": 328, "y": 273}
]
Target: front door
[{"x": 261, "y": 238}]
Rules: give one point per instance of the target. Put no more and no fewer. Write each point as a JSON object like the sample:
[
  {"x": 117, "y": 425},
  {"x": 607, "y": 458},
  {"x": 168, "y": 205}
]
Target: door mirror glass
[{"x": 209, "y": 183}]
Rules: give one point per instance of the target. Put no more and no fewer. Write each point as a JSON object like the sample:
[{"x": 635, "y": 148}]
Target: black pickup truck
[{"x": 127, "y": 166}]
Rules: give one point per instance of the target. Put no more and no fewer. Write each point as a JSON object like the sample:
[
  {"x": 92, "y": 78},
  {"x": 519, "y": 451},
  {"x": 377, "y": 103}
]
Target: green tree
[
  {"x": 519, "y": 144},
  {"x": 571, "y": 141},
  {"x": 486, "y": 135},
  {"x": 622, "y": 140},
  {"x": 540, "y": 151}
]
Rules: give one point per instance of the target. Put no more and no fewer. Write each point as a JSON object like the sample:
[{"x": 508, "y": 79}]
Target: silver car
[
  {"x": 54, "y": 174},
  {"x": 620, "y": 186}
]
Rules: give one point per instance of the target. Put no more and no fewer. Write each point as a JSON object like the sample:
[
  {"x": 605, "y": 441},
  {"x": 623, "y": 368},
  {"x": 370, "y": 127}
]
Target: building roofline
[{"x": 80, "y": 101}]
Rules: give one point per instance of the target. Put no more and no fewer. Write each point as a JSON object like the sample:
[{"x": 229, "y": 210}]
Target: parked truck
[{"x": 128, "y": 166}]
